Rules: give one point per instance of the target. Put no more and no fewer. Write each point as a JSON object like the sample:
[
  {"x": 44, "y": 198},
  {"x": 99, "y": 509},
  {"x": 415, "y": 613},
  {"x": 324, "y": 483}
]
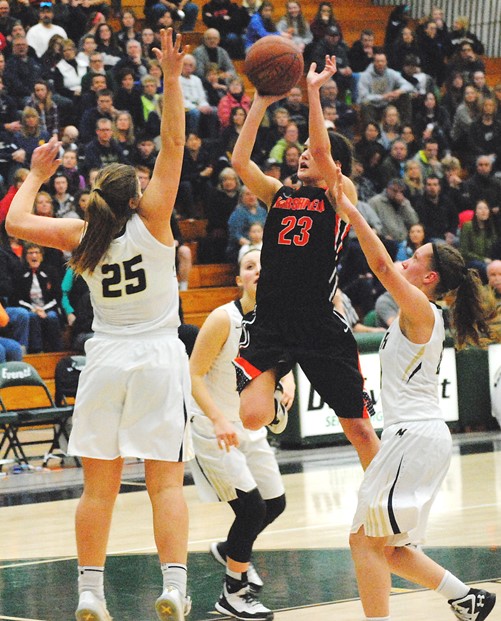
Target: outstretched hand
[
  {"x": 171, "y": 55},
  {"x": 45, "y": 160},
  {"x": 314, "y": 79}
]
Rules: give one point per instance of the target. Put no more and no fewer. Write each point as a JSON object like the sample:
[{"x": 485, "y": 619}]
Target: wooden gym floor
[{"x": 303, "y": 557}]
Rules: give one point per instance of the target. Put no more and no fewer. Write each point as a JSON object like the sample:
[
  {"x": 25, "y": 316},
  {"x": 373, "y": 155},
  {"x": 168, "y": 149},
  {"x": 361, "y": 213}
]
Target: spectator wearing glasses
[{"x": 38, "y": 36}]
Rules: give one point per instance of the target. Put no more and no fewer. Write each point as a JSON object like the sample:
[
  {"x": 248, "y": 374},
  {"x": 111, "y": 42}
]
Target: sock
[
  {"x": 183, "y": 285},
  {"x": 451, "y": 587},
  {"x": 91, "y": 579},
  {"x": 235, "y": 580},
  {"x": 175, "y": 575}
]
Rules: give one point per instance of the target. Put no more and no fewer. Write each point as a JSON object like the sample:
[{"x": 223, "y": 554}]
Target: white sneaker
[
  {"x": 91, "y": 608},
  {"x": 172, "y": 606},
  {"x": 243, "y": 605},
  {"x": 253, "y": 578},
  {"x": 279, "y": 423}
]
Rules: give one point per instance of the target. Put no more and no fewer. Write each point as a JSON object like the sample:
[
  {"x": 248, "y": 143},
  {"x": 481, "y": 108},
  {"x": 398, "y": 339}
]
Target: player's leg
[{"x": 257, "y": 406}]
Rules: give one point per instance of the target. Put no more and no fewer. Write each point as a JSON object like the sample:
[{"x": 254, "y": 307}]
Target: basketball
[{"x": 274, "y": 65}]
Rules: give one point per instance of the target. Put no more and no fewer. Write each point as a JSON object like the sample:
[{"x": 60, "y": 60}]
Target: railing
[{"x": 484, "y": 16}]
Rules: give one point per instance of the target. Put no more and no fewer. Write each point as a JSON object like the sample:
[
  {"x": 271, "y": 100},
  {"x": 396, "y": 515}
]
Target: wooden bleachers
[{"x": 198, "y": 303}]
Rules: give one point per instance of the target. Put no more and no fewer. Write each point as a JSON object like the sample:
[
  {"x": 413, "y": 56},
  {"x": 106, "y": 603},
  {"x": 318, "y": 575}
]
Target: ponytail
[
  {"x": 470, "y": 309},
  {"x": 107, "y": 214}
]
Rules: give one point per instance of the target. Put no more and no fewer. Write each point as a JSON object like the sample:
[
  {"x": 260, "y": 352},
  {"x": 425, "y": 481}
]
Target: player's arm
[
  {"x": 263, "y": 186},
  {"x": 157, "y": 203},
  {"x": 208, "y": 345},
  {"x": 62, "y": 233},
  {"x": 416, "y": 314},
  {"x": 320, "y": 146}
]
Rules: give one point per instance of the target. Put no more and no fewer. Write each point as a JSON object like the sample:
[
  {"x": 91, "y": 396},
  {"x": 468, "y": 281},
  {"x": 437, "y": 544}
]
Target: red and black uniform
[{"x": 294, "y": 320}]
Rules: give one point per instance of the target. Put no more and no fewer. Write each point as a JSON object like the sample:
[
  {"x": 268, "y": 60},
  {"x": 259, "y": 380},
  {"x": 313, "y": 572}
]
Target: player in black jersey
[{"x": 294, "y": 319}]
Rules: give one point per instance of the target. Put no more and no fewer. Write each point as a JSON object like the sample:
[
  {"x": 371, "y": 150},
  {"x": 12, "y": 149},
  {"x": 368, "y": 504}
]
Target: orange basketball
[{"x": 274, "y": 65}]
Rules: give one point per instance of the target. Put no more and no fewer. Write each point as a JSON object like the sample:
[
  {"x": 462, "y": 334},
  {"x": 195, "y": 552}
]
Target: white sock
[
  {"x": 183, "y": 285},
  {"x": 451, "y": 587},
  {"x": 91, "y": 579},
  {"x": 175, "y": 575}
]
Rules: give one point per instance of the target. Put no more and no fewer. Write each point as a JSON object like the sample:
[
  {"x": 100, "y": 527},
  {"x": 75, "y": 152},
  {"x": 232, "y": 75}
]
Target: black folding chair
[{"x": 13, "y": 418}]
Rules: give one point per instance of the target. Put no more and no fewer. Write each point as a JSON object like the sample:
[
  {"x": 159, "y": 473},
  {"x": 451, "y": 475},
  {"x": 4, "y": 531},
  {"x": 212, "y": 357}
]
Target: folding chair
[{"x": 23, "y": 375}]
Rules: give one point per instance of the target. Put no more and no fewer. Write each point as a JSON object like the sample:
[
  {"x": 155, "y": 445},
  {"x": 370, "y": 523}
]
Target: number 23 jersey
[
  {"x": 134, "y": 287},
  {"x": 302, "y": 241}
]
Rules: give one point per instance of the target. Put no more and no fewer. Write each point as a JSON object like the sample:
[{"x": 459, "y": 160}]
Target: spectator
[
  {"x": 10, "y": 349},
  {"x": 51, "y": 56},
  {"x": 413, "y": 179},
  {"x": 397, "y": 20},
  {"x": 96, "y": 68},
  {"x": 221, "y": 202},
  {"x": 380, "y": 86},
  {"x": 484, "y": 185},
  {"x": 389, "y": 127},
  {"x": 128, "y": 28},
  {"x": 255, "y": 240},
  {"x": 183, "y": 11},
  {"x": 416, "y": 238},
  {"x": 211, "y": 52},
  {"x": 298, "y": 111},
  {"x": 364, "y": 186},
  {"x": 393, "y": 165},
  {"x": 87, "y": 46},
  {"x": 370, "y": 152},
  {"x": 404, "y": 46},
  {"x": 331, "y": 45},
  {"x": 196, "y": 172},
  {"x": 201, "y": 119},
  {"x": 437, "y": 213},
  {"x": 247, "y": 212},
  {"x": 52, "y": 258},
  {"x": 230, "y": 21},
  {"x": 454, "y": 92},
  {"x": 290, "y": 162},
  {"x": 361, "y": 53},
  {"x": 261, "y": 25},
  {"x": 479, "y": 81},
  {"x": 21, "y": 72},
  {"x": 104, "y": 109},
  {"x": 343, "y": 305},
  {"x": 477, "y": 238},
  {"x": 6, "y": 19},
  {"x": 432, "y": 52},
  {"x": 148, "y": 43},
  {"x": 103, "y": 149},
  {"x": 452, "y": 183},
  {"x": 145, "y": 153},
  {"x": 133, "y": 60},
  {"x": 386, "y": 310},
  {"x": 39, "y": 290},
  {"x": 229, "y": 137},
  {"x": 460, "y": 33},
  {"x": 291, "y": 138},
  {"x": 295, "y": 24},
  {"x": 128, "y": 97},
  {"x": 323, "y": 19},
  {"x": 214, "y": 87},
  {"x": 63, "y": 201},
  {"x": 72, "y": 17},
  {"x": 466, "y": 113},
  {"x": 466, "y": 62},
  {"x": 422, "y": 83},
  {"x": 394, "y": 211},
  {"x": 235, "y": 97},
  {"x": 484, "y": 134},
  {"x": 427, "y": 157},
  {"x": 18, "y": 179},
  {"x": 346, "y": 114},
  {"x": 431, "y": 120},
  {"x": 27, "y": 139},
  {"x": 68, "y": 73},
  {"x": 77, "y": 306},
  {"x": 41, "y": 100},
  {"x": 407, "y": 135},
  {"x": 9, "y": 116},
  {"x": 39, "y": 35},
  {"x": 107, "y": 45},
  {"x": 69, "y": 167},
  {"x": 123, "y": 132}
]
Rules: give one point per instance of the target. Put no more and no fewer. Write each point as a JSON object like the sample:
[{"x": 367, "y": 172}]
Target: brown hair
[
  {"x": 470, "y": 311},
  {"x": 107, "y": 214}
]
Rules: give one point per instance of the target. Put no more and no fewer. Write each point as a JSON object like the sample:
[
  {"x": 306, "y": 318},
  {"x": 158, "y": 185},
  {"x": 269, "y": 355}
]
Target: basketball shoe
[
  {"x": 279, "y": 423},
  {"x": 91, "y": 608},
  {"x": 172, "y": 606},
  {"x": 475, "y": 606},
  {"x": 253, "y": 578},
  {"x": 243, "y": 605}
]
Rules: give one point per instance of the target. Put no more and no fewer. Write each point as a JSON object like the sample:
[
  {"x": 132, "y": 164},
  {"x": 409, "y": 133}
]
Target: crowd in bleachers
[{"x": 425, "y": 125}]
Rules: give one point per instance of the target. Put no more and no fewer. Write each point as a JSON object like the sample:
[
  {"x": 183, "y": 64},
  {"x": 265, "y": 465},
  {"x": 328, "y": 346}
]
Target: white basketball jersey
[
  {"x": 134, "y": 287},
  {"x": 409, "y": 374},
  {"x": 221, "y": 379}
]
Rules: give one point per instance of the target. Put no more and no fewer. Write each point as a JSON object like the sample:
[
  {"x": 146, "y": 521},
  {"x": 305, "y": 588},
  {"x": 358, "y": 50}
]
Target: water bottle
[{"x": 348, "y": 97}]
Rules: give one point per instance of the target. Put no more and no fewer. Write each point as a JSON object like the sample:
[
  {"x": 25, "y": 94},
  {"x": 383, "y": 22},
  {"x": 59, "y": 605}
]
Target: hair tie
[{"x": 99, "y": 191}]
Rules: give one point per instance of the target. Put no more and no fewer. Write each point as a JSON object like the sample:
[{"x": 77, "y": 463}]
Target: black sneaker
[
  {"x": 475, "y": 606},
  {"x": 253, "y": 578},
  {"x": 243, "y": 604},
  {"x": 279, "y": 423}
]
